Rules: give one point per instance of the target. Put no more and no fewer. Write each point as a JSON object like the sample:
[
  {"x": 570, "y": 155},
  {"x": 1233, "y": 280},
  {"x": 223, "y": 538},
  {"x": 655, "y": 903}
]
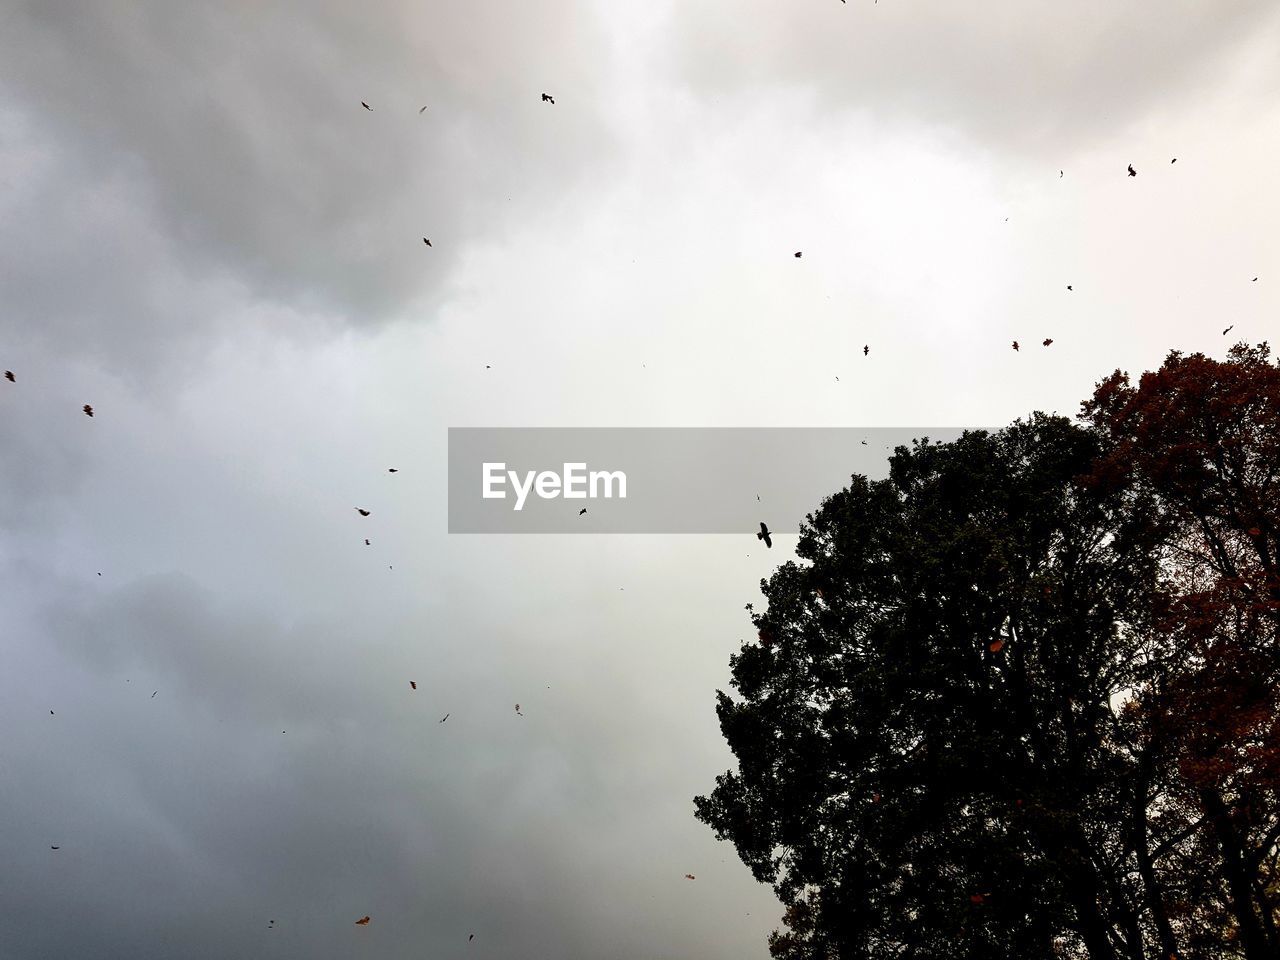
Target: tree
[
  {"x": 1199, "y": 440},
  {"x": 925, "y": 727},
  {"x": 1022, "y": 698}
]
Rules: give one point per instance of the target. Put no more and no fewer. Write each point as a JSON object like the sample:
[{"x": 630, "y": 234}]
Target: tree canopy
[{"x": 1019, "y": 699}]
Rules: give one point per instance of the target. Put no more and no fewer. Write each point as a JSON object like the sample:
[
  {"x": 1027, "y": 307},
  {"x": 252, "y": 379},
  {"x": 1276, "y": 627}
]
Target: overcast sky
[{"x": 205, "y": 236}]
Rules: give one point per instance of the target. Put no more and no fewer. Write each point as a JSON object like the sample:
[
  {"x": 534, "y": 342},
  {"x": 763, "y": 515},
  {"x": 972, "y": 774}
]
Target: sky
[{"x": 203, "y": 234}]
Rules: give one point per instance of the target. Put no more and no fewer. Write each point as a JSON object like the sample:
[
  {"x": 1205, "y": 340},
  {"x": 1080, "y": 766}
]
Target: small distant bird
[
  {"x": 88, "y": 410},
  {"x": 365, "y": 105},
  {"x": 1015, "y": 345},
  {"x": 548, "y": 98},
  {"x": 445, "y": 717},
  {"x": 1069, "y": 286},
  {"x": 864, "y": 443},
  {"x": 690, "y": 876},
  {"x": 423, "y": 110},
  {"x": 582, "y": 511},
  {"x": 8, "y": 375},
  {"x": 392, "y": 470},
  {"x": 1254, "y": 280},
  {"x": 472, "y": 936},
  {"x": 764, "y": 535},
  {"x": 153, "y": 694},
  {"x": 426, "y": 241},
  {"x": 412, "y": 685},
  {"x": 54, "y": 848},
  {"x": 367, "y": 543},
  {"x": 1060, "y": 174},
  {"x": 1132, "y": 172},
  {"x": 1228, "y": 330},
  {"x": 799, "y": 254},
  {"x": 1047, "y": 341},
  {"x": 518, "y": 709},
  {"x": 362, "y": 922},
  {"x": 1174, "y": 160},
  {"x": 362, "y": 511},
  {"x": 866, "y": 350},
  {"x": 51, "y": 713}
]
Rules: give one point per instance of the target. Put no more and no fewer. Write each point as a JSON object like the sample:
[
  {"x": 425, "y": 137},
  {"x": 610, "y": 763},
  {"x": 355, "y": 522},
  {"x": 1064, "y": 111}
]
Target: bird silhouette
[
  {"x": 426, "y": 241},
  {"x": 690, "y": 876},
  {"x": 362, "y": 511},
  {"x": 548, "y": 98},
  {"x": 582, "y": 511},
  {"x": 799, "y": 253},
  {"x": 1228, "y": 330},
  {"x": 365, "y": 105},
  {"x": 51, "y": 847},
  {"x": 866, "y": 350},
  {"x": 8, "y": 375},
  {"x": 392, "y": 470},
  {"x": 420, "y": 112},
  {"x": 1061, "y": 174},
  {"x": 1047, "y": 341},
  {"x": 1132, "y": 172},
  {"x": 764, "y": 535},
  {"x": 445, "y": 717},
  {"x": 412, "y": 685},
  {"x": 362, "y": 922},
  {"x": 1015, "y": 345},
  {"x": 518, "y": 710},
  {"x": 1174, "y": 160},
  {"x": 88, "y": 410},
  {"x": 1068, "y": 286},
  {"x": 1254, "y": 280},
  {"x": 367, "y": 543}
]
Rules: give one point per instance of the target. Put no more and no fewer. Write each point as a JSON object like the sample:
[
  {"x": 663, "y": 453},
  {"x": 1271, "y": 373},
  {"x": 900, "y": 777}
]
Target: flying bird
[
  {"x": 51, "y": 847},
  {"x": 392, "y": 470},
  {"x": 866, "y": 350},
  {"x": 8, "y": 375},
  {"x": 365, "y": 105},
  {"x": 1254, "y": 280},
  {"x": 412, "y": 685},
  {"x": 362, "y": 922},
  {"x": 88, "y": 410},
  {"x": 472, "y": 936},
  {"x": 1047, "y": 341},
  {"x": 153, "y": 694},
  {"x": 1060, "y": 174},
  {"x": 1015, "y": 345},
  {"x": 799, "y": 253},
  {"x": 518, "y": 709},
  {"x": 1068, "y": 286},
  {"x": 1228, "y": 330},
  {"x": 362, "y": 511},
  {"x": 764, "y": 535},
  {"x": 1132, "y": 172},
  {"x": 582, "y": 511},
  {"x": 548, "y": 98},
  {"x": 690, "y": 876},
  {"x": 445, "y": 717},
  {"x": 426, "y": 241},
  {"x": 367, "y": 543},
  {"x": 423, "y": 110},
  {"x": 1174, "y": 160}
]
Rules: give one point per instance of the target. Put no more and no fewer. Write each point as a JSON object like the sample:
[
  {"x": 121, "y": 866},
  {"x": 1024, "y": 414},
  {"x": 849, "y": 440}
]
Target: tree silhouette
[{"x": 1020, "y": 698}]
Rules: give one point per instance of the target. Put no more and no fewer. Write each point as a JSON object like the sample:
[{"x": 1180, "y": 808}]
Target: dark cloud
[
  {"x": 1047, "y": 78},
  {"x": 185, "y": 156}
]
